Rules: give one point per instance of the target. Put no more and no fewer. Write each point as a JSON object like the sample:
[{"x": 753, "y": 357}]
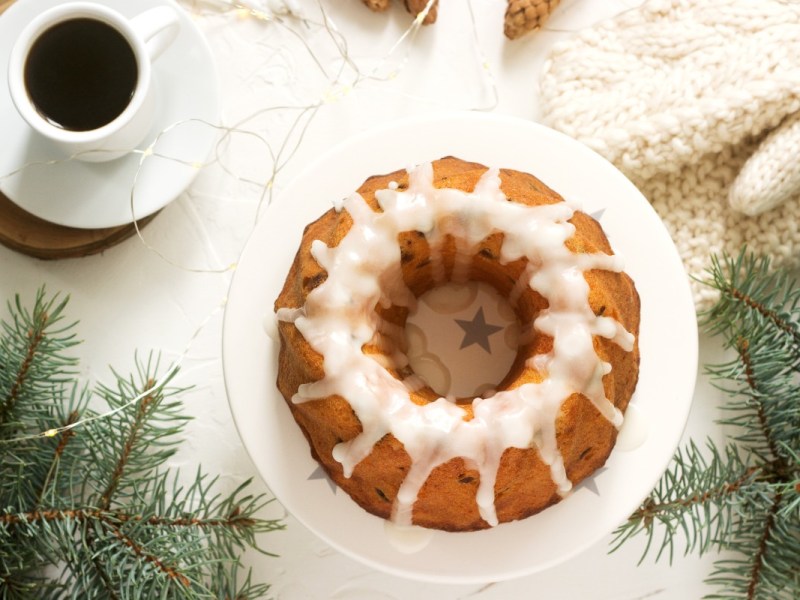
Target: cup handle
[{"x": 158, "y": 28}]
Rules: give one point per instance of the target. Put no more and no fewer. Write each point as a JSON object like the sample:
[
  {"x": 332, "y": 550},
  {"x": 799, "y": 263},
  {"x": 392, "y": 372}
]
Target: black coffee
[{"x": 81, "y": 74}]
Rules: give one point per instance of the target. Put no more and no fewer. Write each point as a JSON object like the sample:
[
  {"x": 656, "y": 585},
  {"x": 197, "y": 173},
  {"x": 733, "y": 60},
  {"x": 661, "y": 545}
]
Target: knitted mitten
[
  {"x": 697, "y": 102},
  {"x": 772, "y": 175}
]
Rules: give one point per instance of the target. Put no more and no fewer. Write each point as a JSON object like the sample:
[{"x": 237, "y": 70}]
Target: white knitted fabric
[{"x": 698, "y": 103}]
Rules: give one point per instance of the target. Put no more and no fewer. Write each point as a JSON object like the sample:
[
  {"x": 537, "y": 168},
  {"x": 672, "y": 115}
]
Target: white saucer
[
  {"x": 96, "y": 195},
  {"x": 654, "y": 420}
]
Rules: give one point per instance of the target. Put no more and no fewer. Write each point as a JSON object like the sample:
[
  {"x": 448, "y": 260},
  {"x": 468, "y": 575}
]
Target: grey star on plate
[
  {"x": 477, "y": 331},
  {"x": 319, "y": 473},
  {"x": 591, "y": 483}
]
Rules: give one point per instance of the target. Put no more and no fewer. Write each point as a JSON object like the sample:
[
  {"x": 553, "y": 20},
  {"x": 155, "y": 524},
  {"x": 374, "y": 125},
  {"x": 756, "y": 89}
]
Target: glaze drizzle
[{"x": 339, "y": 317}]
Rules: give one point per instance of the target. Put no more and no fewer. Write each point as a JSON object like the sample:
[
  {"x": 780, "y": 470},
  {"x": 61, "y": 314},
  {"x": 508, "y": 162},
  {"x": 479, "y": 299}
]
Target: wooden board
[{"x": 26, "y": 233}]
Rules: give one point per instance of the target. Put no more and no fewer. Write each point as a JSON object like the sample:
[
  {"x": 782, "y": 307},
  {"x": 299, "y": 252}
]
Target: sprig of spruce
[
  {"x": 93, "y": 511},
  {"x": 745, "y": 496}
]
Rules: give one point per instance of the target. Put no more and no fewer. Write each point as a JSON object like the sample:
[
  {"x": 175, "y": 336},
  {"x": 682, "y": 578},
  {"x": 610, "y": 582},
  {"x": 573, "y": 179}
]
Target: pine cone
[
  {"x": 523, "y": 16},
  {"x": 417, "y": 6},
  {"x": 377, "y": 5},
  {"x": 413, "y": 6}
]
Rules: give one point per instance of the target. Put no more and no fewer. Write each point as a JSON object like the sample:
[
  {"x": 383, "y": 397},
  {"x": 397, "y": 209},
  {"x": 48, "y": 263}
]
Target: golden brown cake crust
[{"x": 524, "y": 485}]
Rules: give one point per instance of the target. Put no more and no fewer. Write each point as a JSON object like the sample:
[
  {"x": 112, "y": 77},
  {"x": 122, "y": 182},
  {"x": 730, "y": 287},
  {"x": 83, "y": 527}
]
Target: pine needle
[
  {"x": 745, "y": 497},
  {"x": 94, "y": 502}
]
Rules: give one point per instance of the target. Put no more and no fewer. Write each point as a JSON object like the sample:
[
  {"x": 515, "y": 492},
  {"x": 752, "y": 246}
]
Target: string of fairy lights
[
  {"x": 289, "y": 18},
  {"x": 347, "y": 79},
  {"x": 295, "y": 22}
]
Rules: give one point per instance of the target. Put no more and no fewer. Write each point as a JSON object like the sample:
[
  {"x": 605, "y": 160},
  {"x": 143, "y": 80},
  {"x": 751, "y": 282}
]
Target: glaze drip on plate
[{"x": 364, "y": 271}]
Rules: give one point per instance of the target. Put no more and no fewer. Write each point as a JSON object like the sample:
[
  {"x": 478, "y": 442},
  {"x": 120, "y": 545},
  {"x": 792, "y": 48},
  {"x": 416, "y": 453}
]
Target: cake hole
[{"x": 462, "y": 339}]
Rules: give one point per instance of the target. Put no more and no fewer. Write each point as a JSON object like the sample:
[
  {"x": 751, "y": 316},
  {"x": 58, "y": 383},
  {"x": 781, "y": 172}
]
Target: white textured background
[{"x": 135, "y": 298}]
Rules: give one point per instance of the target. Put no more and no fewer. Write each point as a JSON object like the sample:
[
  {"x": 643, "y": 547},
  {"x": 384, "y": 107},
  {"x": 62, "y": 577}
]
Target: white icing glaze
[
  {"x": 364, "y": 271},
  {"x": 634, "y": 431},
  {"x": 270, "y": 324},
  {"x": 407, "y": 539}
]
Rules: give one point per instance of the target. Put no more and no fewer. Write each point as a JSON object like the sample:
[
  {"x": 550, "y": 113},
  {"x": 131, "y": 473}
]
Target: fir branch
[
  {"x": 754, "y": 296},
  {"x": 146, "y": 435},
  {"x": 96, "y": 498},
  {"x": 760, "y": 406},
  {"x": 746, "y": 499},
  {"x": 761, "y": 380},
  {"x": 765, "y": 563},
  {"x": 116, "y": 517},
  {"x": 131, "y": 437},
  {"x": 755, "y": 575},
  {"x": 34, "y": 340},
  {"x": 64, "y": 438},
  {"x": 32, "y": 359},
  {"x": 170, "y": 571},
  {"x": 697, "y": 496},
  {"x": 791, "y": 488}
]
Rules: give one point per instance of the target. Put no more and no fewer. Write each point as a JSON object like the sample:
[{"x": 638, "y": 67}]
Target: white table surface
[{"x": 166, "y": 293}]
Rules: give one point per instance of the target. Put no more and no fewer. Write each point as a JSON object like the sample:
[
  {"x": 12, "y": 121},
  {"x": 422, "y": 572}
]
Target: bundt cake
[{"x": 396, "y": 447}]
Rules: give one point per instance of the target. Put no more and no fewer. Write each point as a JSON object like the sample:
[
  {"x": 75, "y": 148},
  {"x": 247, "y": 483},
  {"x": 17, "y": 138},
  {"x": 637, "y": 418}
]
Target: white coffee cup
[{"x": 147, "y": 35}]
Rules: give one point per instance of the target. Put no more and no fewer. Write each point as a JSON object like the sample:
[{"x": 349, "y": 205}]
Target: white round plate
[
  {"x": 668, "y": 344},
  {"x": 96, "y": 195}
]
